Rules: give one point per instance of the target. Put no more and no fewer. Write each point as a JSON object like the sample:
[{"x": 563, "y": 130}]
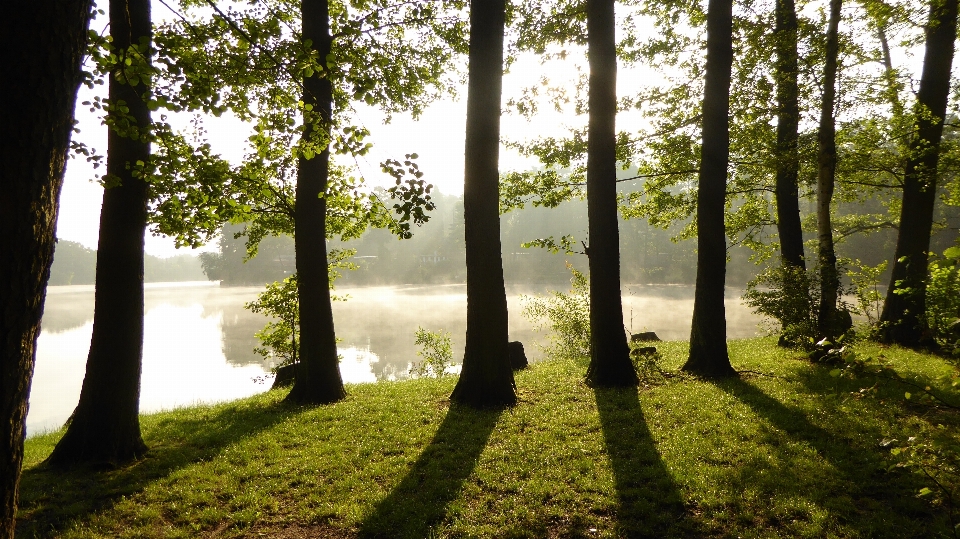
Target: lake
[{"x": 199, "y": 340}]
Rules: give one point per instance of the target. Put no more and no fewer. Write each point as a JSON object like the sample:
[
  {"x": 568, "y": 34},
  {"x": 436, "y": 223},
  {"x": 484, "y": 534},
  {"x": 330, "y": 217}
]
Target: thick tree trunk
[
  {"x": 318, "y": 378},
  {"x": 788, "y": 163},
  {"x": 708, "y": 335},
  {"x": 828, "y": 321},
  {"x": 105, "y": 427},
  {"x": 43, "y": 41},
  {"x": 486, "y": 378},
  {"x": 610, "y": 363},
  {"x": 904, "y": 312},
  {"x": 788, "y": 118}
]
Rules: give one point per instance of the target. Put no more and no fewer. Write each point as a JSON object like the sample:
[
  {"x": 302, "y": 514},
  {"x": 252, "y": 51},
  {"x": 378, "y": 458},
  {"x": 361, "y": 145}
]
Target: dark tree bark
[
  {"x": 788, "y": 118},
  {"x": 708, "y": 335},
  {"x": 105, "y": 427},
  {"x": 43, "y": 42},
  {"x": 904, "y": 314},
  {"x": 610, "y": 363},
  {"x": 486, "y": 378},
  {"x": 829, "y": 322},
  {"x": 788, "y": 163},
  {"x": 318, "y": 378}
]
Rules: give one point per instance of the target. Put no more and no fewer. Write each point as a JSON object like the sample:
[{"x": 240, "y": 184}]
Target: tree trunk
[
  {"x": 828, "y": 318},
  {"x": 486, "y": 378},
  {"x": 788, "y": 163},
  {"x": 105, "y": 427},
  {"x": 610, "y": 363},
  {"x": 318, "y": 378},
  {"x": 788, "y": 118},
  {"x": 708, "y": 334},
  {"x": 904, "y": 310},
  {"x": 43, "y": 42}
]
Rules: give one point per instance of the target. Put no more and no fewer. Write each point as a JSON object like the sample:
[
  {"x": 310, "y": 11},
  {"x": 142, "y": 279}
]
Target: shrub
[
  {"x": 566, "y": 315},
  {"x": 437, "y": 354},
  {"x": 943, "y": 299},
  {"x": 279, "y": 339},
  {"x": 790, "y": 296}
]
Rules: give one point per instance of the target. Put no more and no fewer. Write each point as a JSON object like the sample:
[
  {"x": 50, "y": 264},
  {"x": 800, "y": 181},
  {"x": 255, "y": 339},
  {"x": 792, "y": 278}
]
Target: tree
[
  {"x": 708, "y": 335},
  {"x": 43, "y": 44},
  {"x": 787, "y": 161},
  {"x": 105, "y": 426},
  {"x": 297, "y": 85},
  {"x": 318, "y": 378},
  {"x": 610, "y": 363},
  {"x": 486, "y": 378},
  {"x": 788, "y": 119},
  {"x": 903, "y": 317},
  {"x": 829, "y": 323}
]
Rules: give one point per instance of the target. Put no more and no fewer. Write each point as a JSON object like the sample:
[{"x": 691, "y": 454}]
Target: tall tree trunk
[
  {"x": 904, "y": 310},
  {"x": 486, "y": 378},
  {"x": 708, "y": 334},
  {"x": 788, "y": 163},
  {"x": 828, "y": 318},
  {"x": 610, "y": 363},
  {"x": 105, "y": 427},
  {"x": 43, "y": 42},
  {"x": 318, "y": 378},
  {"x": 788, "y": 118}
]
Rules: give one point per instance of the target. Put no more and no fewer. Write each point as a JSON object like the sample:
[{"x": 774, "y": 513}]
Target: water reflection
[{"x": 199, "y": 340}]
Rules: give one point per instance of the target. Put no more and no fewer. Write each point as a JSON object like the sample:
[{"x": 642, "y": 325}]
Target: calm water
[{"x": 198, "y": 340}]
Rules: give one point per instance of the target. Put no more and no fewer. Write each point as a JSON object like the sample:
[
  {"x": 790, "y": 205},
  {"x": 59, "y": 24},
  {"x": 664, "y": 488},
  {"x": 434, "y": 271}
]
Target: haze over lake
[{"x": 199, "y": 340}]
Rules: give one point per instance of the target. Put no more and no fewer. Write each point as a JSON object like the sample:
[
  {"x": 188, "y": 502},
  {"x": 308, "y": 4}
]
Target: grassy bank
[{"x": 786, "y": 450}]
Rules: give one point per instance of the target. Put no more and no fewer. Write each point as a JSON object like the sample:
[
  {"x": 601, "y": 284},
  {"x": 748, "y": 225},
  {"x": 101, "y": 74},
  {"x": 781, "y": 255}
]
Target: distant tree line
[
  {"x": 75, "y": 264},
  {"x": 435, "y": 254}
]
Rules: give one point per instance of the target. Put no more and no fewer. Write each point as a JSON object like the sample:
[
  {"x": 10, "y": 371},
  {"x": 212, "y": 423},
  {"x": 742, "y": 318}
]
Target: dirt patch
[{"x": 296, "y": 531}]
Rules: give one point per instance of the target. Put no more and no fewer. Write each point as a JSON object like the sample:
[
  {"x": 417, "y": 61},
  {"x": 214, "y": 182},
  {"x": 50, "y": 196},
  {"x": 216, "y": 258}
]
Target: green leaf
[
  {"x": 925, "y": 491},
  {"x": 835, "y": 373},
  {"x": 907, "y": 395}
]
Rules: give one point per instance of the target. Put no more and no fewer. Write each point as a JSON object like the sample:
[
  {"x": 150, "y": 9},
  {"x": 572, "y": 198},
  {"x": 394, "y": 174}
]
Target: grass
[{"x": 785, "y": 450}]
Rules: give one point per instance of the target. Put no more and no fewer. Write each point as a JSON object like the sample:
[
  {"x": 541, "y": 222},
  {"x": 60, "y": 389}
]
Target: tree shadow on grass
[
  {"x": 52, "y": 499},
  {"x": 858, "y": 486},
  {"x": 649, "y": 501},
  {"x": 419, "y": 502}
]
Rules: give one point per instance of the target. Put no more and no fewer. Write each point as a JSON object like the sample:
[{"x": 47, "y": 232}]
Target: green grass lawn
[{"x": 785, "y": 450}]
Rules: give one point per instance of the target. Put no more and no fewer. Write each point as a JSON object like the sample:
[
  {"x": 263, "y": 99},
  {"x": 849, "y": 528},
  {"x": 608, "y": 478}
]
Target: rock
[
  {"x": 645, "y": 350},
  {"x": 518, "y": 359},
  {"x": 285, "y": 376},
  {"x": 646, "y": 336},
  {"x": 954, "y": 329}
]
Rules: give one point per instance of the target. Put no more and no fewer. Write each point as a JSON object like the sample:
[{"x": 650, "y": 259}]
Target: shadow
[
  {"x": 51, "y": 499},
  {"x": 884, "y": 386},
  {"x": 649, "y": 502},
  {"x": 419, "y": 502},
  {"x": 854, "y": 479}
]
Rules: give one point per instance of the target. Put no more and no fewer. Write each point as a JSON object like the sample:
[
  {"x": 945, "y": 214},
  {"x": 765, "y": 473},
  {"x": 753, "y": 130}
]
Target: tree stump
[
  {"x": 286, "y": 375},
  {"x": 646, "y": 336},
  {"x": 518, "y": 359}
]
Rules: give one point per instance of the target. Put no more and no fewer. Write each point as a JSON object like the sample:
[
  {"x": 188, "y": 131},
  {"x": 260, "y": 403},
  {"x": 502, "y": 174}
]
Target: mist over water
[{"x": 199, "y": 340}]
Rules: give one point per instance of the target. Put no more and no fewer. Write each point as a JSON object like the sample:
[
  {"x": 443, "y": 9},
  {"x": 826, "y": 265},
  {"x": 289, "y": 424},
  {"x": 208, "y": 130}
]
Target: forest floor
[{"x": 788, "y": 449}]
